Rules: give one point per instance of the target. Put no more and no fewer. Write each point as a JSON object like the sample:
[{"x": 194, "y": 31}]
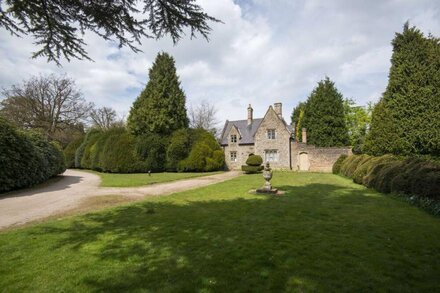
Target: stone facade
[{"x": 273, "y": 139}]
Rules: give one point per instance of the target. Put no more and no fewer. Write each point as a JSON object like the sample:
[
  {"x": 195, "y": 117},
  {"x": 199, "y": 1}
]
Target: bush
[
  {"x": 362, "y": 169},
  {"x": 26, "y": 159},
  {"x": 151, "y": 149},
  {"x": 385, "y": 175},
  {"x": 350, "y": 164},
  {"x": 251, "y": 169},
  {"x": 70, "y": 150},
  {"x": 90, "y": 150},
  {"x": 178, "y": 149},
  {"x": 80, "y": 150},
  {"x": 370, "y": 179},
  {"x": 254, "y": 160},
  {"x": 217, "y": 162},
  {"x": 337, "y": 165}
]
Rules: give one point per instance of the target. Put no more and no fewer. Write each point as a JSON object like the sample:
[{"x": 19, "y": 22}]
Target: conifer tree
[
  {"x": 160, "y": 108},
  {"x": 324, "y": 116},
  {"x": 407, "y": 119}
]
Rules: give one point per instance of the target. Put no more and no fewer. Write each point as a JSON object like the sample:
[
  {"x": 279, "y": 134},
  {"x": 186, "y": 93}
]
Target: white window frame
[
  {"x": 233, "y": 156},
  {"x": 271, "y": 155},
  {"x": 233, "y": 138},
  {"x": 271, "y": 134}
]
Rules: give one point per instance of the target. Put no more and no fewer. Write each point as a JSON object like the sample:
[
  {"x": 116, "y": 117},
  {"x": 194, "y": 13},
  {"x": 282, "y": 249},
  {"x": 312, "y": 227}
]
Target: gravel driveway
[{"x": 67, "y": 191}]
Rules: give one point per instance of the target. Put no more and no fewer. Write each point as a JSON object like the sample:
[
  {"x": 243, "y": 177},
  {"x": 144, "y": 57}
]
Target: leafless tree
[
  {"x": 104, "y": 117},
  {"x": 48, "y": 103},
  {"x": 204, "y": 116}
]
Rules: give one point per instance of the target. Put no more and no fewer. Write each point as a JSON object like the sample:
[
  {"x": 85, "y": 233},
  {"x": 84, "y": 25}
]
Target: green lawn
[
  {"x": 325, "y": 234},
  {"x": 139, "y": 179}
]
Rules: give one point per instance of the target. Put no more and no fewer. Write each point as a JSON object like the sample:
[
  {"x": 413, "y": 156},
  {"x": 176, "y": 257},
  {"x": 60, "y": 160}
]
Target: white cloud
[{"x": 264, "y": 52}]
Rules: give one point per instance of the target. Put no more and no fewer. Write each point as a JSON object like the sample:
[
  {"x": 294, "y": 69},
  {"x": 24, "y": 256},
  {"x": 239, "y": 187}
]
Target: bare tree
[
  {"x": 104, "y": 118},
  {"x": 48, "y": 103},
  {"x": 204, "y": 116},
  {"x": 58, "y": 26}
]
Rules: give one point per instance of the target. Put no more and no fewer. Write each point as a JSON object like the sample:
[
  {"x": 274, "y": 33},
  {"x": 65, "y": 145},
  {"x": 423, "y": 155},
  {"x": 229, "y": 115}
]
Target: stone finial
[
  {"x": 278, "y": 107},
  {"x": 304, "y": 135},
  {"x": 250, "y": 115}
]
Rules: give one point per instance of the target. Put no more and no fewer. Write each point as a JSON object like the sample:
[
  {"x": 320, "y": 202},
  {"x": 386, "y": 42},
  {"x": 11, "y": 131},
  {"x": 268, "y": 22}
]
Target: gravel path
[{"x": 67, "y": 191}]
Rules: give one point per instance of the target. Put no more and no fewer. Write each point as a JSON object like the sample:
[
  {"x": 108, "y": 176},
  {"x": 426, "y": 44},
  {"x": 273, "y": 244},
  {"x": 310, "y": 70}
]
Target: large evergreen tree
[
  {"x": 407, "y": 118},
  {"x": 160, "y": 108},
  {"x": 324, "y": 116}
]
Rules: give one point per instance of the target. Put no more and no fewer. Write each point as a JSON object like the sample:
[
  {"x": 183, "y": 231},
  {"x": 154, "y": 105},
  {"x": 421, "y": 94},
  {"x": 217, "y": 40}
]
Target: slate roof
[{"x": 247, "y": 132}]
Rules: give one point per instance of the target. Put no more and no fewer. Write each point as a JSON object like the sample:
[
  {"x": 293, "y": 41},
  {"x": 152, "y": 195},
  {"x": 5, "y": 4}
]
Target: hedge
[
  {"x": 70, "y": 150},
  {"x": 26, "y": 159},
  {"x": 337, "y": 165},
  {"x": 418, "y": 179},
  {"x": 251, "y": 169},
  {"x": 254, "y": 160}
]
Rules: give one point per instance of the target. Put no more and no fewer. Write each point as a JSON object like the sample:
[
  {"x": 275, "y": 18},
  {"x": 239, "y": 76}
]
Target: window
[
  {"x": 271, "y": 155},
  {"x": 233, "y": 156},
  {"x": 271, "y": 133},
  {"x": 233, "y": 138}
]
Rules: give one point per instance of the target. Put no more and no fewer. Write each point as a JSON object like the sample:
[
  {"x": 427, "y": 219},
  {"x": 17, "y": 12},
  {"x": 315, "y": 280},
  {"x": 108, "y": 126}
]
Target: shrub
[
  {"x": 385, "y": 175},
  {"x": 337, "y": 165},
  {"x": 217, "y": 162},
  {"x": 89, "y": 150},
  {"x": 178, "y": 149},
  {"x": 70, "y": 150},
  {"x": 119, "y": 156},
  {"x": 254, "y": 160},
  {"x": 196, "y": 160},
  {"x": 350, "y": 164},
  {"x": 80, "y": 150},
  {"x": 362, "y": 169},
  {"x": 26, "y": 159},
  {"x": 151, "y": 149},
  {"x": 370, "y": 179},
  {"x": 251, "y": 169}
]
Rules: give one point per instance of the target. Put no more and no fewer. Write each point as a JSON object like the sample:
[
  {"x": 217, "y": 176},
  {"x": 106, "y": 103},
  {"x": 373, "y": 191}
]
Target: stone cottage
[{"x": 274, "y": 140}]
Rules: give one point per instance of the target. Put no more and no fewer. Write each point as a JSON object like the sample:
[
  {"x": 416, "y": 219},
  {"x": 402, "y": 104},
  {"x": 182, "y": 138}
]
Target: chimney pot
[
  {"x": 278, "y": 107},
  {"x": 250, "y": 115}
]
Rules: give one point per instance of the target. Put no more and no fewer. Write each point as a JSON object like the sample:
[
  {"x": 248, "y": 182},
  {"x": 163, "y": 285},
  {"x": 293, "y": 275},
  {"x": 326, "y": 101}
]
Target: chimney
[
  {"x": 250, "y": 115},
  {"x": 278, "y": 107},
  {"x": 304, "y": 135}
]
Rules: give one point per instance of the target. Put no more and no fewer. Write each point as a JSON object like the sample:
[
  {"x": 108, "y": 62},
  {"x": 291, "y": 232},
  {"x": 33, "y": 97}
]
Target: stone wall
[
  {"x": 316, "y": 159},
  {"x": 281, "y": 143}
]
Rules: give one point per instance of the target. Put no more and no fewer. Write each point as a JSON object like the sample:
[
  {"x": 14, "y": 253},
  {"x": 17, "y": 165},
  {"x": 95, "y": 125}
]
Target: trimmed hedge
[
  {"x": 254, "y": 160},
  {"x": 251, "y": 169},
  {"x": 70, "y": 150},
  {"x": 416, "y": 178},
  {"x": 26, "y": 158},
  {"x": 337, "y": 165}
]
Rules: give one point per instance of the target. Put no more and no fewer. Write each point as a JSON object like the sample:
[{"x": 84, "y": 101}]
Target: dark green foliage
[
  {"x": 80, "y": 150},
  {"x": 70, "y": 150},
  {"x": 160, "y": 108},
  {"x": 407, "y": 119},
  {"x": 324, "y": 116},
  {"x": 254, "y": 160},
  {"x": 151, "y": 149},
  {"x": 385, "y": 176},
  {"x": 371, "y": 177},
  {"x": 178, "y": 149},
  {"x": 97, "y": 149},
  {"x": 349, "y": 166},
  {"x": 90, "y": 150},
  {"x": 362, "y": 169},
  {"x": 26, "y": 159},
  {"x": 55, "y": 24},
  {"x": 203, "y": 155},
  {"x": 337, "y": 165},
  {"x": 119, "y": 155},
  {"x": 251, "y": 169}
]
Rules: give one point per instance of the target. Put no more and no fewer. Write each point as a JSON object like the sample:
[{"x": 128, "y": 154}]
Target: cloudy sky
[{"x": 266, "y": 51}]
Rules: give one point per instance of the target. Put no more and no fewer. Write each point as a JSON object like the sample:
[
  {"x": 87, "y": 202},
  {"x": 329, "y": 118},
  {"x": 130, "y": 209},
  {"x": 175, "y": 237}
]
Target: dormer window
[
  {"x": 271, "y": 133},
  {"x": 233, "y": 138}
]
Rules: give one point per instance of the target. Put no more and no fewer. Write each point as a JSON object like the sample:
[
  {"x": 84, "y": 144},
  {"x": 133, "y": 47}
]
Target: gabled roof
[{"x": 247, "y": 132}]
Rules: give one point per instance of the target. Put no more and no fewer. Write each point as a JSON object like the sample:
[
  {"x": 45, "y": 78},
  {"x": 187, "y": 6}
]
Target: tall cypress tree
[
  {"x": 160, "y": 108},
  {"x": 407, "y": 119},
  {"x": 324, "y": 116}
]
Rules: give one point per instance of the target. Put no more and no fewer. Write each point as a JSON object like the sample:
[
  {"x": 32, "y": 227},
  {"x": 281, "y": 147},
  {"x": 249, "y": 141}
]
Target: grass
[
  {"x": 139, "y": 179},
  {"x": 325, "y": 234}
]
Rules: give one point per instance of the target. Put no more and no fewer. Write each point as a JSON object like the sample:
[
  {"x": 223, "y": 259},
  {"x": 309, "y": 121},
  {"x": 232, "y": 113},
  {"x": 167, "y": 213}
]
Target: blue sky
[{"x": 264, "y": 52}]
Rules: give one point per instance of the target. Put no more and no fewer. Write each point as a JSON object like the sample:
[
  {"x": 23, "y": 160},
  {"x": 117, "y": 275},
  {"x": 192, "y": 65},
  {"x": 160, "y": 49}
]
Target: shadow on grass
[{"x": 318, "y": 237}]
